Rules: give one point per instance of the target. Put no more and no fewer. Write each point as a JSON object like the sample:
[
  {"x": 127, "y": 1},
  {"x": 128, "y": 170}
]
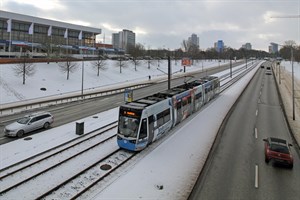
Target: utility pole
[{"x": 169, "y": 73}]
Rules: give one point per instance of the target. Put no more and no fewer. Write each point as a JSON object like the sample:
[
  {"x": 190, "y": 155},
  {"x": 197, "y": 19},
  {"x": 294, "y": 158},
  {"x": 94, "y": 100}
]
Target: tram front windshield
[{"x": 128, "y": 126}]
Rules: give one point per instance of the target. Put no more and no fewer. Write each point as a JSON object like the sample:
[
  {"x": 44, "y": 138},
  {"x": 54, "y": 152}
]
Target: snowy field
[
  {"x": 176, "y": 169},
  {"x": 55, "y": 81},
  {"x": 288, "y": 66}
]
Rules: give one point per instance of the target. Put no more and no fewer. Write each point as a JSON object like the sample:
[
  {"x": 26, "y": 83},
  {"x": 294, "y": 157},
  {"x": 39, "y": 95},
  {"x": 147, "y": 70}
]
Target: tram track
[
  {"x": 239, "y": 75},
  {"x": 77, "y": 185},
  {"x": 54, "y": 150},
  {"x": 24, "y": 173}
]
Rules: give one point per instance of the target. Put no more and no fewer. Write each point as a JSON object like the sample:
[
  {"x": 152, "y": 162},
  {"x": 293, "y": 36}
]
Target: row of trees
[
  {"x": 26, "y": 68},
  {"x": 193, "y": 52},
  {"x": 139, "y": 54},
  {"x": 286, "y": 51}
]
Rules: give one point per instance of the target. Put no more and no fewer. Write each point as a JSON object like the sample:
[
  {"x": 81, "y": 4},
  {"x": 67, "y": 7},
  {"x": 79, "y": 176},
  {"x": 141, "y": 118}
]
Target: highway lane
[
  {"x": 236, "y": 168},
  {"x": 70, "y": 112}
]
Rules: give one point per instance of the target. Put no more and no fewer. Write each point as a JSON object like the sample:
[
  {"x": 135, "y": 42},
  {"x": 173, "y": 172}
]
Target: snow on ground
[
  {"x": 50, "y": 77},
  {"x": 174, "y": 164},
  {"x": 21, "y": 149},
  {"x": 288, "y": 66}
]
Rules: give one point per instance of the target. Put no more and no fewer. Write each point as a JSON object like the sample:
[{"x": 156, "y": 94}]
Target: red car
[{"x": 279, "y": 151}]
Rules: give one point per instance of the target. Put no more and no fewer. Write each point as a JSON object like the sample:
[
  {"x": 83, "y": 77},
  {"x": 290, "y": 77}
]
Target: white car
[
  {"x": 268, "y": 72},
  {"x": 29, "y": 123}
]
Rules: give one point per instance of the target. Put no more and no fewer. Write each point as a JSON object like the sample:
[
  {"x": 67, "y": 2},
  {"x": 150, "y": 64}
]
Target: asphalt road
[
  {"x": 70, "y": 112},
  {"x": 236, "y": 168}
]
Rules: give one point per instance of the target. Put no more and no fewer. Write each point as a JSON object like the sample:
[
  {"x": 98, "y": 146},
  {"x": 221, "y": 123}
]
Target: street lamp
[
  {"x": 293, "y": 86},
  {"x": 82, "y": 76}
]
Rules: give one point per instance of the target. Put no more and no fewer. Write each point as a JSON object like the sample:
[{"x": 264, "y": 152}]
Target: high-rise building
[
  {"x": 247, "y": 46},
  {"x": 194, "y": 40},
  {"x": 115, "y": 40},
  {"x": 123, "y": 40},
  {"x": 219, "y": 46},
  {"x": 273, "y": 48}
]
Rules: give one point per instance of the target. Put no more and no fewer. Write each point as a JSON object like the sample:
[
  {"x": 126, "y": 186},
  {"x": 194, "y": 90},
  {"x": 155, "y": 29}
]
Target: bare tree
[
  {"x": 25, "y": 68},
  {"x": 186, "y": 45},
  {"x": 68, "y": 66},
  {"x": 290, "y": 43},
  {"x": 121, "y": 62},
  {"x": 99, "y": 64},
  {"x": 136, "y": 52},
  {"x": 149, "y": 61}
]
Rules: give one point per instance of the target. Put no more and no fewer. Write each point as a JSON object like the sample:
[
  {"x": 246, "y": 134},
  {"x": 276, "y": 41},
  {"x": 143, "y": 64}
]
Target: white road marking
[
  {"x": 256, "y": 176},
  {"x": 256, "y": 112},
  {"x": 255, "y": 130}
]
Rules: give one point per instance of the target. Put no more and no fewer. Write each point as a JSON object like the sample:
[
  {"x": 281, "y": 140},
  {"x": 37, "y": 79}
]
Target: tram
[{"x": 145, "y": 120}]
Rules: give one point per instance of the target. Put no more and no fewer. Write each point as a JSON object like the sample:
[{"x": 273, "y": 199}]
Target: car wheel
[
  {"x": 291, "y": 166},
  {"x": 20, "y": 133},
  {"x": 266, "y": 159},
  {"x": 46, "y": 125}
]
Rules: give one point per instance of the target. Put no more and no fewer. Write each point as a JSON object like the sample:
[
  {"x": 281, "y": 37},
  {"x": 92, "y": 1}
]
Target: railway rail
[
  {"x": 28, "y": 173},
  {"x": 239, "y": 73},
  {"x": 77, "y": 185}
]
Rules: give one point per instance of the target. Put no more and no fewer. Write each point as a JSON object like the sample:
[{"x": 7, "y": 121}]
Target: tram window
[
  {"x": 151, "y": 119},
  {"x": 184, "y": 102},
  {"x": 167, "y": 115},
  {"x": 163, "y": 117},
  {"x": 160, "y": 121},
  {"x": 199, "y": 95},
  {"x": 143, "y": 131},
  {"x": 178, "y": 105}
]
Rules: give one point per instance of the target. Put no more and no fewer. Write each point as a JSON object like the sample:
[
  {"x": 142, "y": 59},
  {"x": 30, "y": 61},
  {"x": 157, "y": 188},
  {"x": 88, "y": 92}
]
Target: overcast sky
[{"x": 166, "y": 23}]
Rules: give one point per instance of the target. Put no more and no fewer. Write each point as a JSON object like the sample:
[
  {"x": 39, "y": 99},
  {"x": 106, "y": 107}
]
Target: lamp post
[
  {"x": 293, "y": 86},
  {"x": 82, "y": 76}
]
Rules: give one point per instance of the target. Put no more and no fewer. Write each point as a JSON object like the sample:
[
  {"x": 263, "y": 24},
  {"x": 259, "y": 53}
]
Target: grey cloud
[{"x": 168, "y": 22}]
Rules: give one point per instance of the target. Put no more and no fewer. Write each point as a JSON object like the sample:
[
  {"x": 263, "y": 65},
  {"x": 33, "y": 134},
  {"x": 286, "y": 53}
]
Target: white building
[
  {"x": 20, "y": 33},
  {"x": 247, "y": 46}
]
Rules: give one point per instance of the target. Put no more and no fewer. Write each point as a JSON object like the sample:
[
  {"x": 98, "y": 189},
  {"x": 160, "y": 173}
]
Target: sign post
[
  {"x": 128, "y": 95},
  {"x": 186, "y": 62}
]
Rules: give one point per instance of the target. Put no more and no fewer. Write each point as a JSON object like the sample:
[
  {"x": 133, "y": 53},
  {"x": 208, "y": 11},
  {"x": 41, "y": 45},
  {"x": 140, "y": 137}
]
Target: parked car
[
  {"x": 279, "y": 151},
  {"x": 29, "y": 123}
]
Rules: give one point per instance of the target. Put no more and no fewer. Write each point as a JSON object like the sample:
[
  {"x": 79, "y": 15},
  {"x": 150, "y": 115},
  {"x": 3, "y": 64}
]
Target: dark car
[{"x": 279, "y": 151}]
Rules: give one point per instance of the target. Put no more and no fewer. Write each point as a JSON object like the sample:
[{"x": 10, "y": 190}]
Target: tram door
[
  {"x": 179, "y": 112},
  {"x": 151, "y": 128}
]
